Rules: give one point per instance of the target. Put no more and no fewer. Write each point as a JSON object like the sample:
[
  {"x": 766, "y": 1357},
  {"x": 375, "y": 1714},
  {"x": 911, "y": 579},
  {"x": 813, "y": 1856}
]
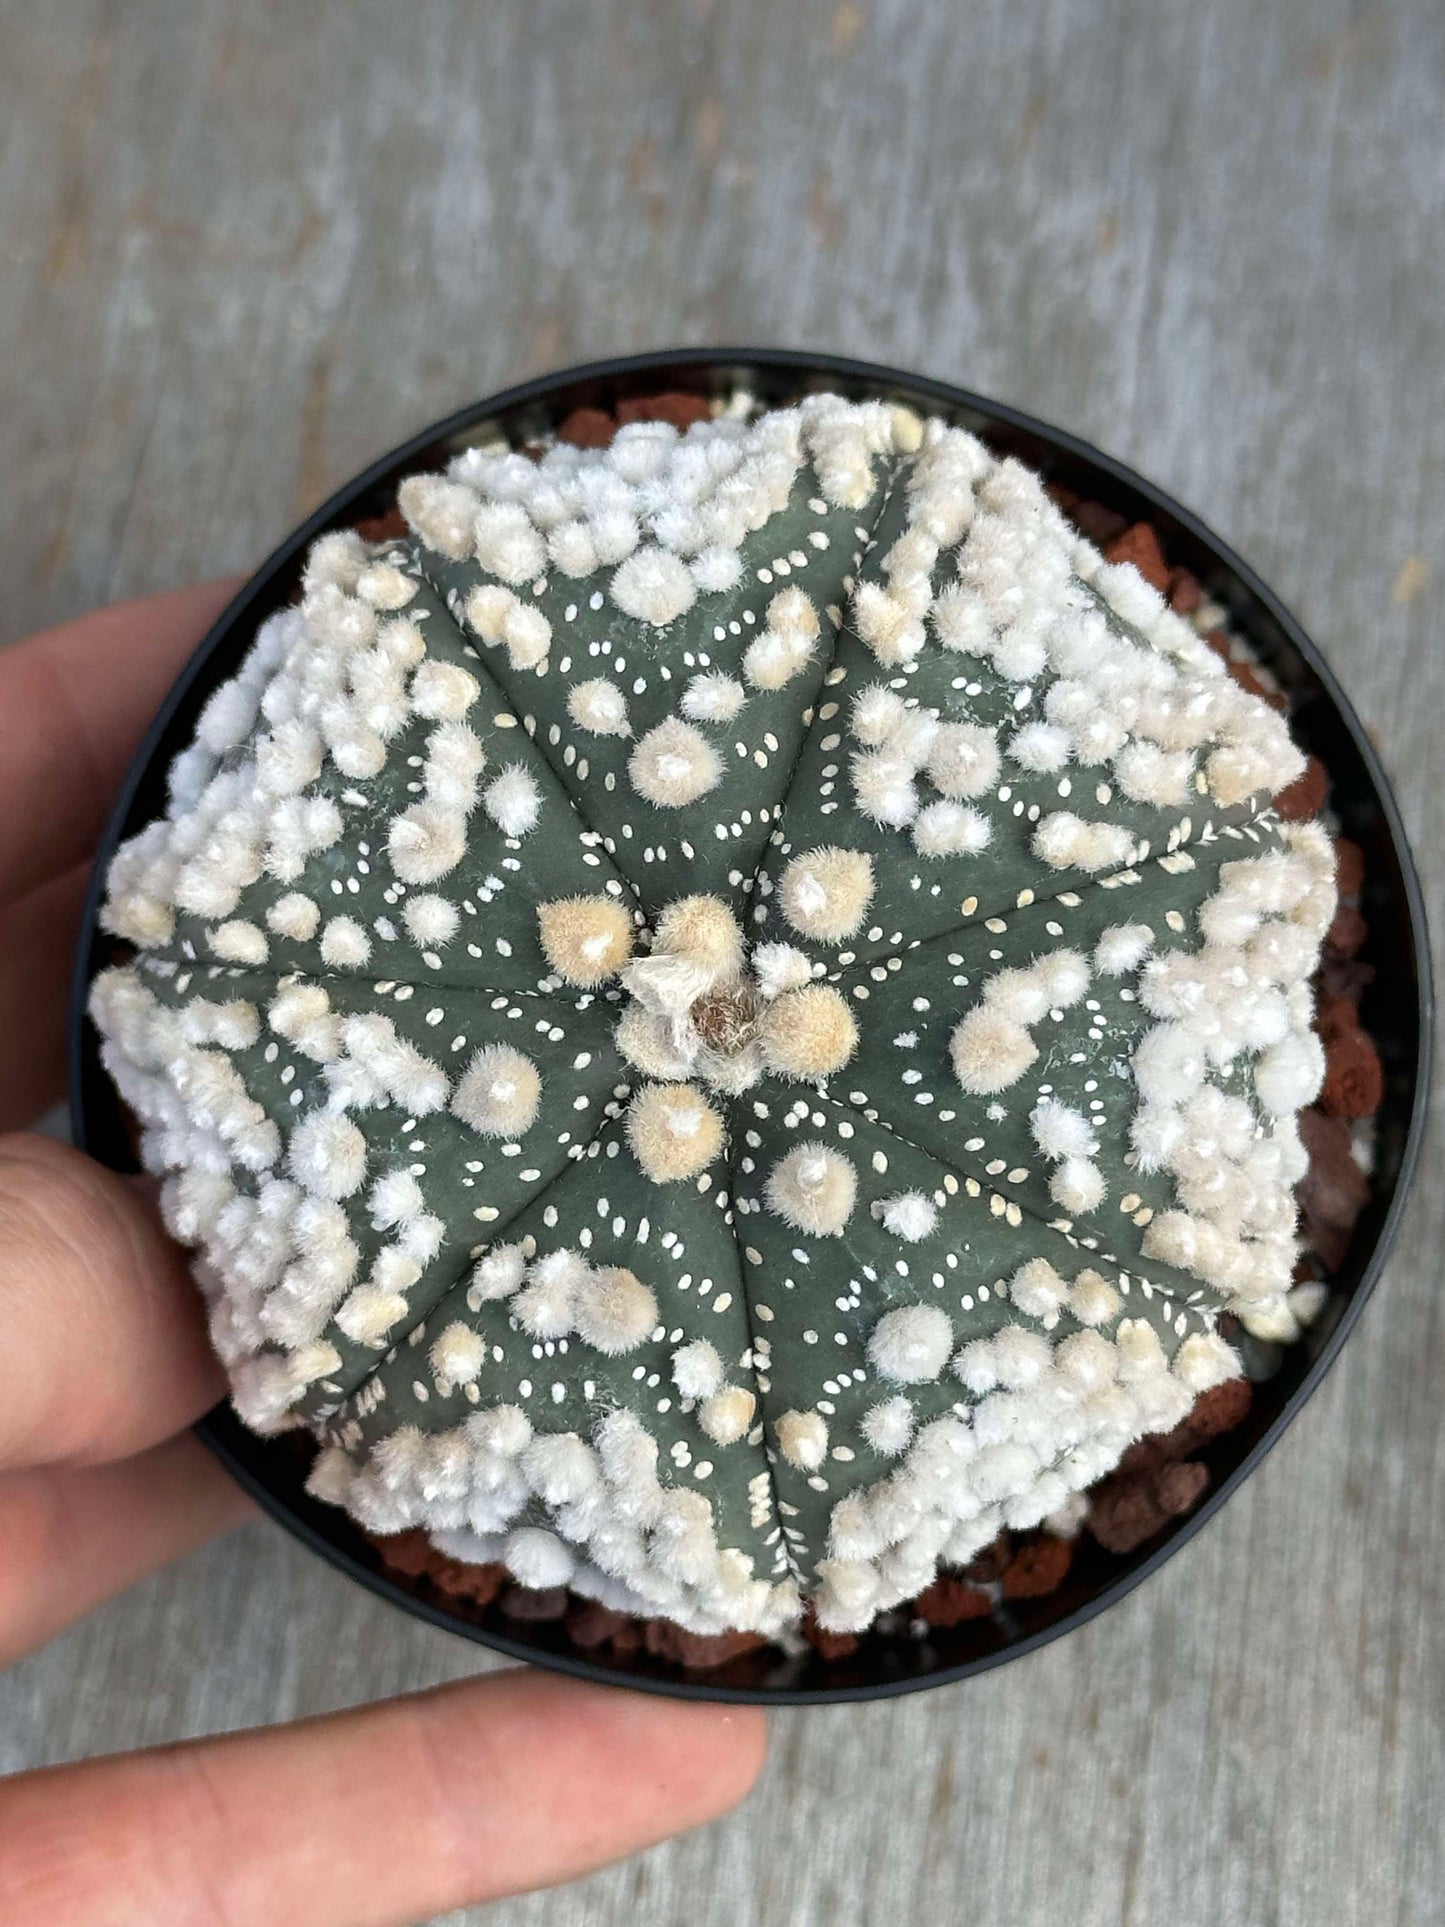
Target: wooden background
[{"x": 245, "y": 247}]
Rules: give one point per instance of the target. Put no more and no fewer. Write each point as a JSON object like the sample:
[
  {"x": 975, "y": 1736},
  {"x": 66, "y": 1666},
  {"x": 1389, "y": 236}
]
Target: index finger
[
  {"x": 373, "y": 1818},
  {"x": 74, "y": 702}
]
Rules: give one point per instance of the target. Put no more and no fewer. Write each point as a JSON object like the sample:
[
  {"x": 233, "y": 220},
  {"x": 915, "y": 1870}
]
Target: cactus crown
[{"x": 726, "y": 1015}]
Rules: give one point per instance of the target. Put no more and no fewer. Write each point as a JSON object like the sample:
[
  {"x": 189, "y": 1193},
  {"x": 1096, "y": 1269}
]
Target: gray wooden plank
[{"x": 247, "y": 248}]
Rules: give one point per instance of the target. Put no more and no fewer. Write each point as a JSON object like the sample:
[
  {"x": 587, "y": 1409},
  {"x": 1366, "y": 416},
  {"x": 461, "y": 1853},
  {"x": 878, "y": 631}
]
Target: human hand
[{"x": 386, "y": 1814}]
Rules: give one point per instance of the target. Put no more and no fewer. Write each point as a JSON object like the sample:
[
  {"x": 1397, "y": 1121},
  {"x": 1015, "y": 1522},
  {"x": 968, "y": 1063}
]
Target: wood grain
[{"x": 247, "y": 246}]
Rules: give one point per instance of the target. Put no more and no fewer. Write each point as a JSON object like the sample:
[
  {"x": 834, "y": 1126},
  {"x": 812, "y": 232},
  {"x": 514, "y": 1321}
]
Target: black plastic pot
[{"x": 1398, "y": 1010}]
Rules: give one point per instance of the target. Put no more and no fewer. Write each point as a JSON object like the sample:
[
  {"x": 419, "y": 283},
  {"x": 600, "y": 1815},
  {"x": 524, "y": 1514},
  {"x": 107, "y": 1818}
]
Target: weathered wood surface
[{"x": 247, "y": 247}]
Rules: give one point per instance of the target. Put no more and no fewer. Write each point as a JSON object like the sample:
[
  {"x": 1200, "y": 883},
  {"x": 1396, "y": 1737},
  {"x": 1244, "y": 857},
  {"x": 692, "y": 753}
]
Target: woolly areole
[{"x": 724, "y": 1017}]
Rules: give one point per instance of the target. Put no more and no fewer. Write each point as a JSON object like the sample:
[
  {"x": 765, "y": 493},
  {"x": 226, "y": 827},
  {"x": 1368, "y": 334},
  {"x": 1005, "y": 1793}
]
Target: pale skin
[{"x": 385, "y": 1814}]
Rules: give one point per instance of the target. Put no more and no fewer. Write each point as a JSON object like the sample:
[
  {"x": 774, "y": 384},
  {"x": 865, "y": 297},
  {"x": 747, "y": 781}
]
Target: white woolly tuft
[
  {"x": 443, "y": 691},
  {"x": 431, "y": 920},
  {"x": 716, "y": 570},
  {"x": 395, "y": 1197},
  {"x": 964, "y": 760},
  {"x": 771, "y": 661},
  {"x": 950, "y": 829},
  {"x": 538, "y": 1558},
  {"x": 803, "y": 1439},
  {"x": 1037, "y": 1289},
  {"x": 876, "y": 712},
  {"x": 727, "y": 1415},
  {"x": 1062, "y": 1132},
  {"x": 674, "y": 764},
  {"x": 990, "y": 1051},
  {"x": 1040, "y": 747},
  {"x": 294, "y": 916},
  {"x": 327, "y": 1154},
  {"x": 910, "y": 1216},
  {"x": 1289, "y": 1075},
  {"x": 1065, "y": 842},
  {"x": 1205, "y": 1360},
  {"x": 888, "y": 1426},
  {"x": 1065, "y": 977},
  {"x": 599, "y": 706},
  {"x": 779, "y": 967},
  {"x": 513, "y": 801},
  {"x": 497, "y": 1273},
  {"x": 546, "y": 1304},
  {"x": 344, "y": 944},
  {"x": 910, "y": 1345},
  {"x": 713, "y": 698},
  {"x": 499, "y": 1093},
  {"x": 697, "y": 1369},
  {"x": 457, "y": 1357},
  {"x": 425, "y": 842},
  {"x": 826, "y": 893},
  {"x": 614, "y": 1311},
  {"x": 1122, "y": 948},
  {"x": 507, "y": 545},
  {"x": 884, "y": 789},
  {"x": 1093, "y": 1300},
  {"x": 240, "y": 942},
  {"x": 1077, "y": 1187},
  {"x": 813, "y": 1189},
  {"x": 654, "y": 586},
  {"x": 1021, "y": 1358}
]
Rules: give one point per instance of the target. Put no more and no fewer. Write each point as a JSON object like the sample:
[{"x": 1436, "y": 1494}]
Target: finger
[
  {"x": 37, "y": 942},
  {"x": 389, "y": 1814},
  {"x": 70, "y": 1538},
  {"x": 74, "y": 703},
  {"x": 103, "y": 1348}
]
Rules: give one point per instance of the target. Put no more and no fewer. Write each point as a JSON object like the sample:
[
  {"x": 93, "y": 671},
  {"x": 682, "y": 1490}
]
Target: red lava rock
[
  {"x": 1345, "y": 977},
  {"x": 1180, "y": 1486},
  {"x": 1218, "y": 1410},
  {"x": 587, "y": 428},
  {"x": 1305, "y": 797},
  {"x": 414, "y": 1556},
  {"x": 1347, "y": 933},
  {"x": 1334, "y": 1191},
  {"x": 411, "y": 1553},
  {"x": 1096, "y": 523},
  {"x": 1185, "y": 592},
  {"x": 1140, "y": 545},
  {"x": 382, "y": 528},
  {"x": 1038, "y": 1567},
  {"x": 986, "y": 1568},
  {"x": 1128, "y": 1509},
  {"x": 538, "y": 1604},
  {"x": 1349, "y": 867},
  {"x": 950, "y": 1600},
  {"x": 480, "y": 1584},
  {"x": 592, "y": 1624},
  {"x": 699, "y": 1652},
  {"x": 674, "y": 406},
  {"x": 828, "y": 1645},
  {"x": 1354, "y": 1083}
]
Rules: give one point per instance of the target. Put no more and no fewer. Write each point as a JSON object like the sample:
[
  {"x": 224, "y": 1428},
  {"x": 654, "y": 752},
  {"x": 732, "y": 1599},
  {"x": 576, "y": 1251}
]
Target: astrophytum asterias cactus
[{"x": 726, "y": 1016}]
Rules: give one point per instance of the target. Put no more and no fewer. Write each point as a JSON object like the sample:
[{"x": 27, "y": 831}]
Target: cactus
[{"x": 726, "y": 1016}]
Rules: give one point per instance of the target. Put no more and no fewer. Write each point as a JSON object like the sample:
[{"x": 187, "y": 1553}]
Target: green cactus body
[{"x": 725, "y": 1018}]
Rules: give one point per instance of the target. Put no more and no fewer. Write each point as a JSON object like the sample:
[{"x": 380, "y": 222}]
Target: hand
[{"x": 389, "y": 1813}]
